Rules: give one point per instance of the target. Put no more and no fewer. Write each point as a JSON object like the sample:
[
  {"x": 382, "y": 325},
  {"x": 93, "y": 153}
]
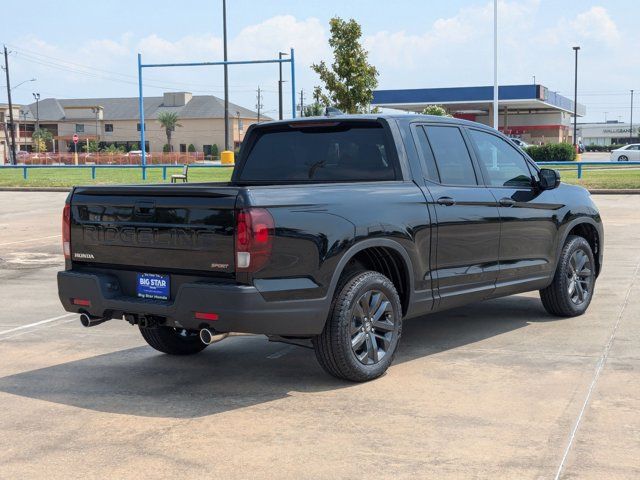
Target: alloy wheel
[
  {"x": 373, "y": 327},
  {"x": 580, "y": 276}
]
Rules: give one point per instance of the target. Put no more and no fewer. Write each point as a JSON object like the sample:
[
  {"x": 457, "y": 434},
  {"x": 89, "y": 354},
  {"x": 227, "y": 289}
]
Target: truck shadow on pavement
[{"x": 245, "y": 370}]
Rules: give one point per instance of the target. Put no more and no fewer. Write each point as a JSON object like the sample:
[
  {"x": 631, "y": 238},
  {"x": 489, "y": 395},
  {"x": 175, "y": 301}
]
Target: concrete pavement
[{"x": 499, "y": 389}]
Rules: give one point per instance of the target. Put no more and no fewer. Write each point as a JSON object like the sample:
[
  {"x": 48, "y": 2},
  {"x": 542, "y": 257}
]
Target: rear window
[{"x": 334, "y": 152}]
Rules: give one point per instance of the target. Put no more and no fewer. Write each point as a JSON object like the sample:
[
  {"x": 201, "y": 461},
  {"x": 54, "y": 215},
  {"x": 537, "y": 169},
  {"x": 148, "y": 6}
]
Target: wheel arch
[
  {"x": 591, "y": 231},
  {"x": 385, "y": 256}
]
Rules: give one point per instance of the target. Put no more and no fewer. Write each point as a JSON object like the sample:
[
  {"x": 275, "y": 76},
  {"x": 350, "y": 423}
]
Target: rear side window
[
  {"x": 335, "y": 152},
  {"x": 451, "y": 154},
  {"x": 429, "y": 163},
  {"x": 503, "y": 164}
]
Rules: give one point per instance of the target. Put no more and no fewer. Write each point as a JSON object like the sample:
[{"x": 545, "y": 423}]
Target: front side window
[
  {"x": 451, "y": 154},
  {"x": 502, "y": 163}
]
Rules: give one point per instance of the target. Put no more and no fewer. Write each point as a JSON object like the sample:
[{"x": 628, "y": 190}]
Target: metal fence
[
  {"x": 579, "y": 167},
  {"x": 94, "y": 168},
  {"x": 104, "y": 158},
  {"x": 181, "y": 159}
]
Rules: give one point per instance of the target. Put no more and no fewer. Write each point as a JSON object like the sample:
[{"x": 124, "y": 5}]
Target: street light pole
[
  {"x": 280, "y": 55},
  {"x": 495, "y": 64},
  {"x": 575, "y": 100},
  {"x": 226, "y": 76}
]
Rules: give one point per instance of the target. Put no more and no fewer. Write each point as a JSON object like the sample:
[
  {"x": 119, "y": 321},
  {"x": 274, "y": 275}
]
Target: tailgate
[{"x": 166, "y": 228}]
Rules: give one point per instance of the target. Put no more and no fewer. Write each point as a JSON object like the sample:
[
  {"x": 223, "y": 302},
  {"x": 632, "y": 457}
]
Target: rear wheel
[
  {"x": 174, "y": 341},
  {"x": 571, "y": 291},
  {"x": 361, "y": 336}
]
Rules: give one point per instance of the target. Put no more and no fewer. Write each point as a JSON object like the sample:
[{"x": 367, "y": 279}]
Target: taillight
[
  {"x": 66, "y": 231},
  {"x": 254, "y": 238}
]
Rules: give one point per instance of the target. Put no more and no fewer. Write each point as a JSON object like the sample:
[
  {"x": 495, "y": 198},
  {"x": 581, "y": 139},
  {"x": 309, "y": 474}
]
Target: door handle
[
  {"x": 507, "y": 202},
  {"x": 446, "y": 201}
]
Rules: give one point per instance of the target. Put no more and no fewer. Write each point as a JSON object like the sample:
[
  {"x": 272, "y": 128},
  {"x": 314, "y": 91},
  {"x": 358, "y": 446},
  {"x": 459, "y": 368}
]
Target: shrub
[
  {"x": 166, "y": 148},
  {"x": 214, "y": 151},
  {"x": 553, "y": 152},
  {"x": 191, "y": 148}
]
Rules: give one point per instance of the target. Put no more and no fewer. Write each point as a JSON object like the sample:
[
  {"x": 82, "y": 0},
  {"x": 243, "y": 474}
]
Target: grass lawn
[
  {"x": 603, "y": 177},
  {"x": 594, "y": 177},
  {"x": 67, "y": 177}
]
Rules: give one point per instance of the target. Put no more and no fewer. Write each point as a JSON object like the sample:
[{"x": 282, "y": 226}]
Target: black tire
[
  {"x": 571, "y": 291},
  {"x": 365, "y": 312},
  {"x": 623, "y": 158},
  {"x": 173, "y": 341}
]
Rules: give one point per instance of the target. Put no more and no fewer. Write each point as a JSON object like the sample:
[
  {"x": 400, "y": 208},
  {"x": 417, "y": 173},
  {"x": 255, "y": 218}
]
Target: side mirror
[{"x": 549, "y": 179}]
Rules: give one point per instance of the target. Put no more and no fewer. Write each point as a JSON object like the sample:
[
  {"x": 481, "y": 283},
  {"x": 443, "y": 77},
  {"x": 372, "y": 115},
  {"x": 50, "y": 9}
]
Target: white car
[
  {"x": 627, "y": 153},
  {"x": 521, "y": 143},
  {"x": 137, "y": 153}
]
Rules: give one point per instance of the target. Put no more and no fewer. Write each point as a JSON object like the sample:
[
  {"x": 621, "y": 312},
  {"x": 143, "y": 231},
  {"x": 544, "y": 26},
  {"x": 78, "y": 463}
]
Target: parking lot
[{"x": 499, "y": 389}]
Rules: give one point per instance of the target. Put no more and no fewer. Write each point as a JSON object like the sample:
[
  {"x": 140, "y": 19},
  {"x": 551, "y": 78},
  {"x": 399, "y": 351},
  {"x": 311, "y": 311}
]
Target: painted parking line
[
  {"x": 30, "y": 240},
  {"x": 596, "y": 374},
  {"x": 35, "y": 324}
]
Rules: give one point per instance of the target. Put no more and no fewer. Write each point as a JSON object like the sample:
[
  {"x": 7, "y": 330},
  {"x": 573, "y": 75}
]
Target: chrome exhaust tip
[
  {"x": 211, "y": 336},
  {"x": 88, "y": 321},
  {"x": 206, "y": 336}
]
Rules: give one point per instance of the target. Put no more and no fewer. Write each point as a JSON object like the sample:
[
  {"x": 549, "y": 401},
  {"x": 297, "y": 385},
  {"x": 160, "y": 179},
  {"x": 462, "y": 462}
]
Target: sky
[{"x": 90, "y": 49}]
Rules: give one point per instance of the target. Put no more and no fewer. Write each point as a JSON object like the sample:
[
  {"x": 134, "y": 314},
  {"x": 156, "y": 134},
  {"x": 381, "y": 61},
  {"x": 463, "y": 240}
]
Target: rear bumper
[{"x": 239, "y": 308}]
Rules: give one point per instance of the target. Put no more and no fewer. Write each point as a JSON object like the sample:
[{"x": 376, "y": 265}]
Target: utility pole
[
  {"x": 302, "y": 102},
  {"x": 631, "y": 120},
  {"x": 280, "y": 82},
  {"x": 226, "y": 76},
  {"x": 37, "y": 98},
  {"x": 11, "y": 125},
  {"x": 575, "y": 100},
  {"x": 259, "y": 103}
]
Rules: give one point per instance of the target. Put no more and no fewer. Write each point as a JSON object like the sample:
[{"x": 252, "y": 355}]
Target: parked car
[
  {"x": 330, "y": 233},
  {"x": 627, "y": 153}
]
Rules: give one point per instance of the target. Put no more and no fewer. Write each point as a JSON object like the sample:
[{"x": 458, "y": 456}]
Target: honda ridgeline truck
[{"x": 331, "y": 232}]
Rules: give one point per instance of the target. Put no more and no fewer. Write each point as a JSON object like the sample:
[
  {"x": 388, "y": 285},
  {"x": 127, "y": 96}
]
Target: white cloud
[
  {"x": 455, "y": 50},
  {"x": 596, "y": 24}
]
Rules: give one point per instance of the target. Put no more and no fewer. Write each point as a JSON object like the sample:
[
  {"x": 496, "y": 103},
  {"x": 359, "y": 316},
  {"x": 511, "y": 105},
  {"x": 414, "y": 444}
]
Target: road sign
[{"x": 75, "y": 138}]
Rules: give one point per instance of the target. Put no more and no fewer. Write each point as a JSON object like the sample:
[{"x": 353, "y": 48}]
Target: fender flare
[{"x": 363, "y": 245}]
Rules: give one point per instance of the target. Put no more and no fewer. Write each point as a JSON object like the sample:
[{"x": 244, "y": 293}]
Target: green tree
[
  {"x": 314, "y": 110},
  {"x": 166, "y": 148},
  {"x": 436, "y": 110},
  {"x": 214, "y": 150},
  {"x": 113, "y": 149},
  {"x": 169, "y": 121},
  {"x": 92, "y": 148},
  {"x": 191, "y": 148},
  {"x": 350, "y": 81},
  {"x": 41, "y": 137}
]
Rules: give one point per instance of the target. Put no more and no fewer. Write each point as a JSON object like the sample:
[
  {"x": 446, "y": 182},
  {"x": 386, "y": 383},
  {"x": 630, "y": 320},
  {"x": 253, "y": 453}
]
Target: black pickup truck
[{"x": 332, "y": 231}]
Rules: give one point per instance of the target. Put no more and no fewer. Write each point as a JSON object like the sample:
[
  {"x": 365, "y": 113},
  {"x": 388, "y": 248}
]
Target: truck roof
[{"x": 395, "y": 116}]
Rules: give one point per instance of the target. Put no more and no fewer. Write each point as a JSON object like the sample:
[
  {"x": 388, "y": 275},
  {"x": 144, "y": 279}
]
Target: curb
[{"x": 612, "y": 191}]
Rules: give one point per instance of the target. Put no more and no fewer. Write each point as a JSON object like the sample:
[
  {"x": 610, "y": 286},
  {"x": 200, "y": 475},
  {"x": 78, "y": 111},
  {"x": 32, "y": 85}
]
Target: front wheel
[
  {"x": 571, "y": 291},
  {"x": 361, "y": 336},
  {"x": 173, "y": 341},
  {"x": 623, "y": 158}
]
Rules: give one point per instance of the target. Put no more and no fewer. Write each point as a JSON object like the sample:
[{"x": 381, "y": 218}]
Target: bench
[{"x": 181, "y": 176}]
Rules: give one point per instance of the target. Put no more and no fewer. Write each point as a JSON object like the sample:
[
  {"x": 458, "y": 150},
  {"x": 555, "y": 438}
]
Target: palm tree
[{"x": 169, "y": 121}]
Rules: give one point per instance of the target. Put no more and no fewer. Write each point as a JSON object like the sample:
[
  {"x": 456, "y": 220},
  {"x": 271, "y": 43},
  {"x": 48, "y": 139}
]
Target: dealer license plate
[{"x": 153, "y": 285}]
